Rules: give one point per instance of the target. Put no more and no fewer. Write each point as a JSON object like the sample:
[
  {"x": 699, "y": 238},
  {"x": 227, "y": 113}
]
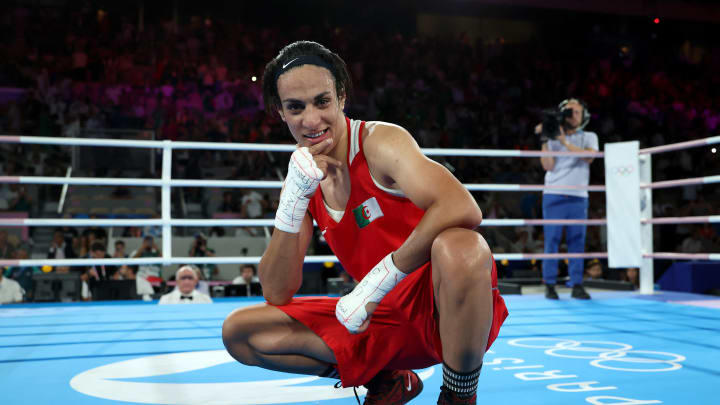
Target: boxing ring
[{"x": 619, "y": 348}]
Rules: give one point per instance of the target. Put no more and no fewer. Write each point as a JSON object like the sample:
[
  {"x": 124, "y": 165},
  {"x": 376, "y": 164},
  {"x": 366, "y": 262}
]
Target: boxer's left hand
[{"x": 354, "y": 310}]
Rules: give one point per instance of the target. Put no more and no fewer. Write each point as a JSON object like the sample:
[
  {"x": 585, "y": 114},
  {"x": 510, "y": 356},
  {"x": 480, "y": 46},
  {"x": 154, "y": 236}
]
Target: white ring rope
[
  {"x": 264, "y": 147},
  {"x": 270, "y": 222},
  {"x": 322, "y": 259},
  {"x": 167, "y": 222},
  {"x": 682, "y": 182},
  {"x": 43, "y": 140},
  {"x": 683, "y": 256},
  {"x": 256, "y": 259},
  {"x": 100, "y": 181},
  {"x": 681, "y": 145},
  {"x": 683, "y": 220}
]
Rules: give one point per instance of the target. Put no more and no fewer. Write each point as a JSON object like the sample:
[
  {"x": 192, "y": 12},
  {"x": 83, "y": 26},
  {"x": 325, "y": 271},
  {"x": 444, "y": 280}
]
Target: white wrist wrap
[
  {"x": 350, "y": 309},
  {"x": 301, "y": 182}
]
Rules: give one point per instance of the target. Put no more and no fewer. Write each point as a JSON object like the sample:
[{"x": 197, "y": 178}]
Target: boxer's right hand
[{"x": 308, "y": 166}]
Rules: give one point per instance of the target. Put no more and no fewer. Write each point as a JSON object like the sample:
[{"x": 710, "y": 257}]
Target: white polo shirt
[{"x": 570, "y": 170}]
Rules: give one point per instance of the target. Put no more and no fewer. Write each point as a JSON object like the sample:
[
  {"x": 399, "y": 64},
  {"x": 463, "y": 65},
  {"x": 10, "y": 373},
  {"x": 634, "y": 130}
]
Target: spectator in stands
[
  {"x": 199, "y": 248},
  {"x": 100, "y": 272},
  {"x": 59, "y": 248},
  {"x": 98, "y": 233},
  {"x": 119, "y": 249},
  {"x": 248, "y": 275},
  {"x": 7, "y": 251},
  {"x": 228, "y": 203},
  {"x": 253, "y": 205},
  {"x": 525, "y": 243},
  {"x": 594, "y": 269},
  {"x": 632, "y": 275},
  {"x": 186, "y": 278},
  {"x": 71, "y": 234},
  {"x": 19, "y": 201},
  {"x": 152, "y": 230},
  {"x": 23, "y": 275},
  {"x": 274, "y": 203},
  {"x": 132, "y": 232},
  {"x": 147, "y": 273},
  {"x": 10, "y": 290},
  {"x": 125, "y": 272},
  {"x": 218, "y": 231},
  {"x": 4, "y": 196},
  {"x": 694, "y": 242},
  {"x": 84, "y": 243}
]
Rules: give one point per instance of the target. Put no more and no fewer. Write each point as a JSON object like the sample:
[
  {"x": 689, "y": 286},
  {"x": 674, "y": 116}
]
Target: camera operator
[
  {"x": 562, "y": 130},
  {"x": 199, "y": 248}
]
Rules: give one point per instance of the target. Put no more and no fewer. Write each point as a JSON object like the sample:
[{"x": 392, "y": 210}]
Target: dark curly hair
[{"x": 338, "y": 69}]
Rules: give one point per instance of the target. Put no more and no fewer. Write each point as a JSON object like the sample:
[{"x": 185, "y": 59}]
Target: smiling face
[{"x": 310, "y": 105}]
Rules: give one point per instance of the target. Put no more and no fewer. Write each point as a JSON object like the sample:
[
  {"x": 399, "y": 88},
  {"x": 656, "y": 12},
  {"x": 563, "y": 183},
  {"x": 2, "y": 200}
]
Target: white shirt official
[
  {"x": 176, "y": 297},
  {"x": 10, "y": 291}
]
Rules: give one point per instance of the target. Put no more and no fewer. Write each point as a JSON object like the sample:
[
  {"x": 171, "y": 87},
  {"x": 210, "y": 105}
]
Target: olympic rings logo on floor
[{"x": 605, "y": 354}]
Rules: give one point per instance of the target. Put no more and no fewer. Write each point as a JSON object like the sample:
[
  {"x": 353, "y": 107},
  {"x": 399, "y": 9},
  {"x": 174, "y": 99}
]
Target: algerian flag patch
[{"x": 367, "y": 212}]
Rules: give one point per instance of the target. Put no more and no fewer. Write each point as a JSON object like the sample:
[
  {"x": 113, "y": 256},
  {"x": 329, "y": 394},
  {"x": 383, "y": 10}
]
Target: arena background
[{"x": 471, "y": 74}]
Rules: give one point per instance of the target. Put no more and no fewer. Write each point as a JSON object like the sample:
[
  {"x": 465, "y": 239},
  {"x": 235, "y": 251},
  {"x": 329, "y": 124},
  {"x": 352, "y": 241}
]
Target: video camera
[
  {"x": 554, "y": 117},
  {"x": 551, "y": 121}
]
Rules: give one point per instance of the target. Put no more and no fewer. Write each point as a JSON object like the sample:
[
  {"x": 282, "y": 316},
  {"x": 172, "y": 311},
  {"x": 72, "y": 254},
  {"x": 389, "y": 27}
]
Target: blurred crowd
[{"x": 79, "y": 69}]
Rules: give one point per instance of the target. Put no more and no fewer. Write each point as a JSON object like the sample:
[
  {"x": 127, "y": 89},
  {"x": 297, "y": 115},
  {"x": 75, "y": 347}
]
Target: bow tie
[{"x": 186, "y": 297}]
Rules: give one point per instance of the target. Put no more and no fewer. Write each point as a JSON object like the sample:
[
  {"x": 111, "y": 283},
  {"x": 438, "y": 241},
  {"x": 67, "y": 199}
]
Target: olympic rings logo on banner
[
  {"x": 623, "y": 170},
  {"x": 605, "y": 354}
]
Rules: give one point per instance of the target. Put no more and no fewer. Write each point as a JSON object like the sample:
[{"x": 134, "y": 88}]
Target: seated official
[
  {"x": 10, "y": 290},
  {"x": 248, "y": 275},
  {"x": 100, "y": 272},
  {"x": 186, "y": 279},
  {"x": 246, "y": 284}
]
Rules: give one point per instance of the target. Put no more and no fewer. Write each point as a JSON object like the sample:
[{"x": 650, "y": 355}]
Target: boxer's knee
[
  {"x": 461, "y": 261},
  {"x": 237, "y": 331}
]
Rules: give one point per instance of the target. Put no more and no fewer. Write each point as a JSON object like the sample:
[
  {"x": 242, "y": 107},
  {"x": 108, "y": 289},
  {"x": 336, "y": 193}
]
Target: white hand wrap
[
  {"x": 350, "y": 309},
  {"x": 301, "y": 182}
]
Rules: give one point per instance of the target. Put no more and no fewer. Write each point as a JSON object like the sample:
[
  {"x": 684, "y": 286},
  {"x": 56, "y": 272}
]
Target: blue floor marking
[{"x": 624, "y": 346}]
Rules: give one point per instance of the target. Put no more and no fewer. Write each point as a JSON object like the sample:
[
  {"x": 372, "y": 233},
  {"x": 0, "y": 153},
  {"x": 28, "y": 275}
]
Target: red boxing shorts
[{"x": 404, "y": 332}]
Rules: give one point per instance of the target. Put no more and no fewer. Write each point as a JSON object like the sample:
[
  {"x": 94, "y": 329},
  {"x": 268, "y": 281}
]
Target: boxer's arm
[
  {"x": 280, "y": 269},
  {"x": 396, "y": 161}
]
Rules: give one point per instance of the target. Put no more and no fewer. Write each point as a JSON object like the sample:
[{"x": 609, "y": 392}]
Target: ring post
[
  {"x": 647, "y": 274},
  {"x": 165, "y": 201},
  {"x": 622, "y": 199}
]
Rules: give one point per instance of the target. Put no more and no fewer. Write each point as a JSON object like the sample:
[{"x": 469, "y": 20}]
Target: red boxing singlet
[{"x": 403, "y": 333}]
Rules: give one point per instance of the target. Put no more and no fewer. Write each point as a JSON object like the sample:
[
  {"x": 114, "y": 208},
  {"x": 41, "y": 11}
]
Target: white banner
[{"x": 622, "y": 196}]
